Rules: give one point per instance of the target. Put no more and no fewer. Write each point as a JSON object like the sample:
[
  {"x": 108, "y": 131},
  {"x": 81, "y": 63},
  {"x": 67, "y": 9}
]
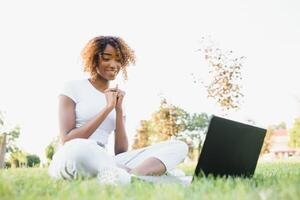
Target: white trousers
[{"x": 85, "y": 157}]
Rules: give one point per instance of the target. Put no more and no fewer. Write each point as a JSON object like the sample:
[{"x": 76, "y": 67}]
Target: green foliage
[
  {"x": 295, "y": 134},
  {"x": 12, "y": 136},
  {"x": 171, "y": 121},
  {"x": 270, "y": 181},
  {"x": 33, "y": 160},
  {"x": 2, "y": 150},
  {"x": 1, "y": 119},
  {"x": 194, "y": 131},
  {"x": 7, "y": 164},
  {"x": 18, "y": 158},
  {"x": 49, "y": 151},
  {"x": 8, "y": 137},
  {"x": 281, "y": 125},
  {"x": 192, "y": 122},
  {"x": 51, "y": 148}
]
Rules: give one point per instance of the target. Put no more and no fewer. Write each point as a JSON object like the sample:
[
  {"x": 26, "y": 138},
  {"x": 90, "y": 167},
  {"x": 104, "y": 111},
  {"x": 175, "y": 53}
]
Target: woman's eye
[{"x": 105, "y": 58}]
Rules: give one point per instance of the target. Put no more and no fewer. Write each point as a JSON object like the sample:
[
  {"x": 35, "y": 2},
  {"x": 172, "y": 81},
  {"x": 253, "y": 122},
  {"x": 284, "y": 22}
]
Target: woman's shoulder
[
  {"x": 75, "y": 83},
  {"x": 73, "y": 88}
]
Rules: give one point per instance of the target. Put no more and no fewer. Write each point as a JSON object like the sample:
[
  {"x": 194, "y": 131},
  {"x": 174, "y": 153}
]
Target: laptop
[{"x": 230, "y": 148}]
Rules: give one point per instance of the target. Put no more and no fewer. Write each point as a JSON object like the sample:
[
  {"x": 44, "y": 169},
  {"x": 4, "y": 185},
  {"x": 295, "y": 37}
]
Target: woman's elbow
[
  {"x": 64, "y": 139},
  {"x": 121, "y": 150}
]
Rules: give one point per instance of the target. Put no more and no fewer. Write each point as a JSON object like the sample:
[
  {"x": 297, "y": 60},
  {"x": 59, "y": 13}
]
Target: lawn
[{"x": 280, "y": 180}]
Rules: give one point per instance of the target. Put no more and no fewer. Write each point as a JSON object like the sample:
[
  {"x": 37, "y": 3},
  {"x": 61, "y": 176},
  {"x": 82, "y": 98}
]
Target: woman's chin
[{"x": 111, "y": 78}]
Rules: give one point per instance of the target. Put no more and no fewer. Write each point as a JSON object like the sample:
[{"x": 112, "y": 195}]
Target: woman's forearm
[
  {"x": 89, "y": 127},
  {"x": 121, "y": 141}
]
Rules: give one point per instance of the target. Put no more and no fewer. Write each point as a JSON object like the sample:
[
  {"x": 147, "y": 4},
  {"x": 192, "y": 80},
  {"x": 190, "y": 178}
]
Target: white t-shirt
[{"x": 89, "y": 102}]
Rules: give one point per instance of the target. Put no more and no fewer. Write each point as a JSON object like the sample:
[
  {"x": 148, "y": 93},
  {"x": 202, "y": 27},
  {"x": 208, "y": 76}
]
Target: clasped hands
[{"x": 114, "y": 98}]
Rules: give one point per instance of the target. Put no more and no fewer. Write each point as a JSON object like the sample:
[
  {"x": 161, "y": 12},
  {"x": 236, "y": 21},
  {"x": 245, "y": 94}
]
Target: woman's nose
[{"x": 115, "y": 65}]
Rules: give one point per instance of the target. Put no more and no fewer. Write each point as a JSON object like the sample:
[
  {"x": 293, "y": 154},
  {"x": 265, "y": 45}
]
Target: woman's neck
[{"x": 100, "y": 83}]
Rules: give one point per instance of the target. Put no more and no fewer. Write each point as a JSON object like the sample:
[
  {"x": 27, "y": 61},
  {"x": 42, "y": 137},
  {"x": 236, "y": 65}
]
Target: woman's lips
[{"x": 112, "y": 72}]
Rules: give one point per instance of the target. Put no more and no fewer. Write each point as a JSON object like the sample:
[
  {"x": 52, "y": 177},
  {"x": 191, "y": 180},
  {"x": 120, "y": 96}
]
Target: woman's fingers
[
  {"x": 116, "y": 91},
  {"x": 111, "y": 90},
  {"x": 121, "y": 93}
]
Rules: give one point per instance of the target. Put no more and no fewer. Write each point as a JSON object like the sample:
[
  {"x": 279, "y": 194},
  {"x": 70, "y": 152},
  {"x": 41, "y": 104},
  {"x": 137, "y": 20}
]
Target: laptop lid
[{"x": 230, "y": 149}]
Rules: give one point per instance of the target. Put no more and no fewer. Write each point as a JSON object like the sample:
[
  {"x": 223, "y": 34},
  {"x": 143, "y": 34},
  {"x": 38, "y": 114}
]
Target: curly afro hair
[{"x": 95, "y": 47}]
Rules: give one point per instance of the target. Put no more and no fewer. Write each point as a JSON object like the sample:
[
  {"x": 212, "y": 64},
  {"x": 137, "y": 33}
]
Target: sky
[{"x": 40, "y": 44}]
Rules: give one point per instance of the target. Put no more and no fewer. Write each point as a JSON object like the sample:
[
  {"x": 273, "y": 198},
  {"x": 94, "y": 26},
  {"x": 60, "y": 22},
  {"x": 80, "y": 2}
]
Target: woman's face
[{"x": 109, "y": 63}]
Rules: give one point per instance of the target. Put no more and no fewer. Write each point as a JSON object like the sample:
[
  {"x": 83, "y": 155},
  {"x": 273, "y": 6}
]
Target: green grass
[{"x": 271, "y": 181}]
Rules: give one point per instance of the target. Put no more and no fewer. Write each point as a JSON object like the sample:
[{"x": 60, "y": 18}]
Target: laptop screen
[{"x": 230, "y": 148}]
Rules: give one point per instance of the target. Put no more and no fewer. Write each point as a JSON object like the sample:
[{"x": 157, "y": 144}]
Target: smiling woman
[
  {"x": 107, "y": 49},
  {"x": 86, "y": 120}
]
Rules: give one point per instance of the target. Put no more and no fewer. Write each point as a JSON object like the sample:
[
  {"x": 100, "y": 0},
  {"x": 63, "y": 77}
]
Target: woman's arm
[
  {"x": 121, "y": 141},
  {"x": 68, "y": 131}
]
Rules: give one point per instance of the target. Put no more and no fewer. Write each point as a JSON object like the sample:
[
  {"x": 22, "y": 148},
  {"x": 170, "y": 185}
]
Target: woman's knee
[
  {"x": 180, "y": 147},
  {"x": 67, "y": 160},
  {"x": 77, "y": 149},
  {"x": 78, "y": 154},
  {"x": 174, "y": 146},
  {"x": 88, "y": 157},
  {"x": 175, "y": 153}
]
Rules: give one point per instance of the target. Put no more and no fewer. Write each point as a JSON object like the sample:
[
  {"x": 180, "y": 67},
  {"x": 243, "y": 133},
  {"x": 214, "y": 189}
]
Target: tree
[
  {"x": 8, "y": 137},
  {"x": 2, "y": 150},
  {"x": 267, "y": 141},
  {"x": 49, "y": 151},
  {"x": 294, "y": 133},
  {"x": 51, "y": 148},
  {"x": 162, "y": 125},
  {"x": 165, "y": 122},
  {"x": 2, "y": 142},
  {"x": 18, "y": 158},
  {"x": 194, "y": 130},
  {"x": 194, "y": 124},
  {"x": 11, "y": 137},
  {"x": 142, "y": 137},
  {"x": 281, "y": 125},
  {"x": 33, "y": 160},
  {"x": 172, "y": 122},
  {"x": 7, "y": 165}
]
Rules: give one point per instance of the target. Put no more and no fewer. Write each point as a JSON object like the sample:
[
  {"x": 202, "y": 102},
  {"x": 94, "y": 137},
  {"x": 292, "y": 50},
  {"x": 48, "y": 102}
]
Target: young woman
[{"x": 89, "y": 111}]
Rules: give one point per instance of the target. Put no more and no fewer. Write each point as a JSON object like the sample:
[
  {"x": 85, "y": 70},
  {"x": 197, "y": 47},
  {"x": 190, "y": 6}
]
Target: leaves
[
  {"x": 170, "y": 121},
  {"x": 225, "y": 70},
  {"x": 295, "y": 134},
  {"x": 51, "y": 148},
  {"x": 142, "y": 136},
  {"x": 33, "y": 160},
  {"x": 8, "y": 137}
]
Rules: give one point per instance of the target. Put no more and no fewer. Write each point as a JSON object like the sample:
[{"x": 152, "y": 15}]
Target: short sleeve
[{"x": 69, "y": 89}]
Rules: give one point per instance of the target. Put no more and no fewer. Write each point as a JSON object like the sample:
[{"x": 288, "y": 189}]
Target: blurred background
[{"x": 169, "y": 93}]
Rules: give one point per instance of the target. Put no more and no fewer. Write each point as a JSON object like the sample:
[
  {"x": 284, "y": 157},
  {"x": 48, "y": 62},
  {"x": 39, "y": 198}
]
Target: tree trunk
[{"x": 2, "y": 150}]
